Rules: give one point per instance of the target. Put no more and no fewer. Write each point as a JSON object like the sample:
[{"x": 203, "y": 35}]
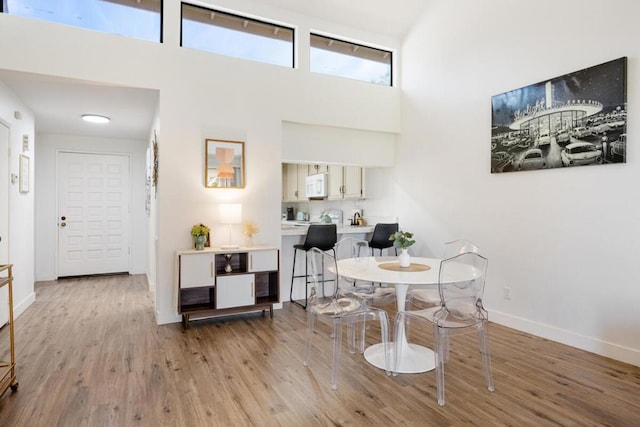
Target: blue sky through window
[
  {"x": 97, "y": 15},
  {"x": 338, "y": 64},
  {"x": 225, "y": 41}
]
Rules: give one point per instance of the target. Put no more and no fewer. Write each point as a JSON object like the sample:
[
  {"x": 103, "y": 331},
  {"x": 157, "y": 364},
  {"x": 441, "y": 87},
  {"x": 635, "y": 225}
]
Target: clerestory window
[
  {"x": 140, "y": 19},
  {"x": 237, "y": 36},
  {"x": 340, "y": 58}
]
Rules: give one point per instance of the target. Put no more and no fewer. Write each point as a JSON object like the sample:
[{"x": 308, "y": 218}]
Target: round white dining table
[{"x": 414, "y": 358}]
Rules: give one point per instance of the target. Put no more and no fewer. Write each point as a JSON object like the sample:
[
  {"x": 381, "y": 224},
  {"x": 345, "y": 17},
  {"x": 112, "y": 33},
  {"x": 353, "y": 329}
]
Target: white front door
[
  {"x": 4, "y": 218},
  {"x": 93, "y": 214}
]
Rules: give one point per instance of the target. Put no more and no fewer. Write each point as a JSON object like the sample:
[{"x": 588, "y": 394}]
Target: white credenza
[{"x": 216, "y": 282}]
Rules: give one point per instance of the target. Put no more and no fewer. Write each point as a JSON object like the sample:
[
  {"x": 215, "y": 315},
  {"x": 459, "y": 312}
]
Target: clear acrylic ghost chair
[
  {"x": 338, "y": 310},
  {"x": 461, "y": 285},
  {"x": 426, "y": 297},
  {"x": 370, "y": 294},
  {"x": 366, "y": 292}
]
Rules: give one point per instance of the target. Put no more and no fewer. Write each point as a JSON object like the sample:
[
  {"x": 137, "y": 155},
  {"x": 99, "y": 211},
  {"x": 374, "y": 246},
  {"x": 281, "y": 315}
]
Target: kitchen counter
[
  {"x": 299, "y": 228},
  {"x": 294, "y": 232}
]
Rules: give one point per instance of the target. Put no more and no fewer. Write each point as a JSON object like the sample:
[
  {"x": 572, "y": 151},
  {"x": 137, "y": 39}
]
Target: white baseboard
[
  {"x": 590, "y": 344},
  {"x": 151, "y": 285},
  {"x": 19, "y": 308}
]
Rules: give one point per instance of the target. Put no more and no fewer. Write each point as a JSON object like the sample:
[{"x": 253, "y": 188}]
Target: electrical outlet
[{"x": 507, "y": 292}]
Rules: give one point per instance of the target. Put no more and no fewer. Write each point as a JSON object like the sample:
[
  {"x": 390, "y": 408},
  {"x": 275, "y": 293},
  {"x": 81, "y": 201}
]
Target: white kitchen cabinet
[
  {"x": 335, "y": 182},
  {"x": 318, "y": 168},
  {"x": 346, "y": 182},
  {"x": 293, "y": 180},
  {"x": 216, "y": 281},
  {"x": 352, "y": 182}
]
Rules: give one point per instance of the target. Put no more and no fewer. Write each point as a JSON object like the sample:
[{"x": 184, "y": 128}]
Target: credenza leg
[{"x": 185, "y": 322}]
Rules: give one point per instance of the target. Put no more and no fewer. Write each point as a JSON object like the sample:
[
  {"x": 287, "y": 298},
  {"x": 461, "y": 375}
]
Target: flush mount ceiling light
[{"x": 95, "y": 118}]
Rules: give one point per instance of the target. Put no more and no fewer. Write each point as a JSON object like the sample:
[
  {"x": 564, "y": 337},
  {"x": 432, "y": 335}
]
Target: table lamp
[{"x": 230, "y": 213}]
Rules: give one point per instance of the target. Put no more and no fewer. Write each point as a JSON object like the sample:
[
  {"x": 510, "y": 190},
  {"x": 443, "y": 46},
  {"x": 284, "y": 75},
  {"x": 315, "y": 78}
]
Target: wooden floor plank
[{"x": 90, "y": 354}]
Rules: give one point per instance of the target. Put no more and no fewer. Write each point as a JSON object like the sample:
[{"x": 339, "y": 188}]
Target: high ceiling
[
  {"x": 392, "y": 18},
  {"x": 58, "y": 103}
]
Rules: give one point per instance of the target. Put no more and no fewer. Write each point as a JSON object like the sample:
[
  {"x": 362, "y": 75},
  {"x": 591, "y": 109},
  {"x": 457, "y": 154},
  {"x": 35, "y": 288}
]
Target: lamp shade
[
  {"x": 225, "y": 170},
  {"x": 230, "y": 213}
]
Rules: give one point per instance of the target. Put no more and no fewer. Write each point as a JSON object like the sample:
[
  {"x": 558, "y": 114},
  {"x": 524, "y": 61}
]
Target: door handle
[{"x": 63, "y": 224}]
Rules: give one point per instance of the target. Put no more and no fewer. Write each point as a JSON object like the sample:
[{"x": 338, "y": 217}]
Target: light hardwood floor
[{"x": 90, "y": 354}]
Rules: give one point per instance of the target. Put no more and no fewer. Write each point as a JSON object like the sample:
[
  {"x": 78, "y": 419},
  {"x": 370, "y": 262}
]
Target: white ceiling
[{"x": 58, "y": 102}]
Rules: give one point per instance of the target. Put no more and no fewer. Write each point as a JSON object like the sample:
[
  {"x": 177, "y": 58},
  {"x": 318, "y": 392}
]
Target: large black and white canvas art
[{"x": 576, "y": 119}]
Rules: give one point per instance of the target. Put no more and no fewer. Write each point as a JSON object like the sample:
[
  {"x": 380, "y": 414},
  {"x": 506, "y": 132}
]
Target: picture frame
[
  {"x": 24, "y": 184},
  {"x": 576, "y": 119},
  {"x": 224, "y": 164}
]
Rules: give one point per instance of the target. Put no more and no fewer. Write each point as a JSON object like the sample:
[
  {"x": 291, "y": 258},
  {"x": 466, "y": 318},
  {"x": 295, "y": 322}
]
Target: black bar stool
[
  {"x": 321, "y": 236},
  {"x": 380, "y": 238}
]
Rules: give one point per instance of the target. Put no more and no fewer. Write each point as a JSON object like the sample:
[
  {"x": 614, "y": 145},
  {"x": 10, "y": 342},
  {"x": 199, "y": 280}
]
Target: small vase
[
  {"x": 404, "y": 258},
  {"x": 249, "y": 242},
  {"x": 200, "y": 242}
]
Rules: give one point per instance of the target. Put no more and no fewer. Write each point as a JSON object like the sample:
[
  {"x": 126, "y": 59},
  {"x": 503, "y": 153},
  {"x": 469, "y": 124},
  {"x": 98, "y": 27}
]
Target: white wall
[
  {"x": 375, "y": 151},
  {"x": 152, "y": 225},
  {"x": 564, "y": 240},
  {"x": 303, "y": 143},
  {"x": 21, "y": 205},
  {"x": 207, "y": 96},
  {"x": 47, "y": 148}
]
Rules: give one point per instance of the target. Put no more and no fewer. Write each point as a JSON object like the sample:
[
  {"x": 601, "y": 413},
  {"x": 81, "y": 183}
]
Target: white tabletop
[{"x": 368, "y": 269}]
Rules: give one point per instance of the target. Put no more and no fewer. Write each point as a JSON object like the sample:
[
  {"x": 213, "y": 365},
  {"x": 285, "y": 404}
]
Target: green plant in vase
[
  {"x": 402, "y": 240},
  {"x": 199, "y": 233}
]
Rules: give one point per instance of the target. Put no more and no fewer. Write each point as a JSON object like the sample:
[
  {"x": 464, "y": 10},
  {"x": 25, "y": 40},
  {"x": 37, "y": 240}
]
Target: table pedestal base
[{"x": 415, "y": 358}]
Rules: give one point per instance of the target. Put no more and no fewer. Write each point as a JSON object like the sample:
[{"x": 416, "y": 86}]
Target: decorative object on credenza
[
  {"x": 200, "y": 233},
  {"x": 230, "y": 213},
  {"x": 228, "y": 268},
  {"x": 224, "y": 164},
  {"x": 576, "y": 119},
  {"x": 402, "y": 240},
  {"x": 249, "y": 229}
]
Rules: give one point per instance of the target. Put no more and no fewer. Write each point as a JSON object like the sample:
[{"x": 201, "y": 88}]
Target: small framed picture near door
[{"x": 24, "y": 173}]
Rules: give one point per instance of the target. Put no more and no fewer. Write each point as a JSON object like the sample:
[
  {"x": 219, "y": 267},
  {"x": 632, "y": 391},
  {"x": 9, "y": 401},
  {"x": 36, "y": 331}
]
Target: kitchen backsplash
[{"x": 314, "y": 209}]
